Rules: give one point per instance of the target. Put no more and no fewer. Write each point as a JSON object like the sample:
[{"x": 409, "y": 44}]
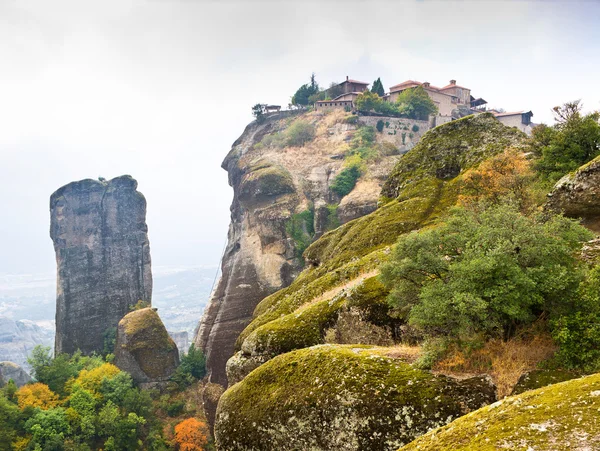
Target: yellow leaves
[
  {"x": 37, "y": 395},
  {"x": 91, "y": 380}
]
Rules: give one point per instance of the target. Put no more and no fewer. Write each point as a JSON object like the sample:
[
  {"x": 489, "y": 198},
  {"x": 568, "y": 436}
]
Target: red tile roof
[
  {"x": 453, "y": 86},
  {"x": 514, "y": 113}
]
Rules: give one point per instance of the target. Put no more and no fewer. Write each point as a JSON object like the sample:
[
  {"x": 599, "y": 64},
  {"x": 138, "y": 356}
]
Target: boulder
[
  {"x": 340, "y": 397},
  {"x": 576, "y": 195},
  {"x": 10, "y": 370},
  {"x": 144, "y": 348},
  {"x": 559, "y": 417}
]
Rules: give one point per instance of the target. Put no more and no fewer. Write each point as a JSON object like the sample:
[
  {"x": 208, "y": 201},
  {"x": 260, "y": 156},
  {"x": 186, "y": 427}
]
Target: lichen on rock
[
  {"x": 560, "y": 417},
  {"x": 334, "y": 397}
]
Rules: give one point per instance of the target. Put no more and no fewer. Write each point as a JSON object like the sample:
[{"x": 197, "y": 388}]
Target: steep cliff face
[
  {"x": 297, "y": 344},
  {"x": 103, "y": 259},
  {"x": 282, "y": 201}
]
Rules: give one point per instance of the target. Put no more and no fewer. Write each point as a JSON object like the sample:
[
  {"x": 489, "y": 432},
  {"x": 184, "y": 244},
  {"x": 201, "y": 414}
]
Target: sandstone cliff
[
  {"x": 302, "y": 363},
  {"x": 103, "y": 259},
  {"x": 282, "y": 201}
]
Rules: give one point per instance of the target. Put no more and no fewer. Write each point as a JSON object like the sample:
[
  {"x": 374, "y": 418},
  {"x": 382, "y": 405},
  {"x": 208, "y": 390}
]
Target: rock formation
[
  {"x": 576, "y": 195},
  {"x": 282, "y": 200},
  {"x": 144, "y": 348},
  {"x": 103, "y": 259},
  {"x": 423, "y": 190},
  {"x": 10, "y": 370},
  {"x": 341, "y": 398},
  {"x": 18, "y": 338},
  {"x": 563, "y": 416}
]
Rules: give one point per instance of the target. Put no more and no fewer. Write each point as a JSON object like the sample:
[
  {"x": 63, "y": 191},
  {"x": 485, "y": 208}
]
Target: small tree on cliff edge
[{"x": 258, "y": 111}]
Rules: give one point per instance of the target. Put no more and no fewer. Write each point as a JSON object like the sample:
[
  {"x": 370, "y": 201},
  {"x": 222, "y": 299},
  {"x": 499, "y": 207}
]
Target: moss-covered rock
[
  {"x": 576, "y": 195},
  {"x": 560, "y": 417},
  {"x": 306, "y": 326},
  {"x": 144, "y": 348},
  {"x": 447, "y": 150},
  {"x": 265, "y": 180},
  {"x": 541, "y": 378},
  {"x": 333, "y": 397}
]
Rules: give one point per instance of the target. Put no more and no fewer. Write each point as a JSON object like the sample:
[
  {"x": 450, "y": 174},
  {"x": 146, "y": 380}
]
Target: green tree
[
  {"x": 301, "y": 97},
  {"x": 577, "y": 332},
  {"x": 194, "y": 362},
  {"x": 416, "y": 103},
  {"x": 9, "y": 420},
  {"x": 484, "y": 271},
  {"x": 368, "y": 101},
  {"x": 378, "y": 88},
  {"x": 571, "y": 142},
  {"x": 258, "y": 111},
  {"x": 49, "y": 428}
]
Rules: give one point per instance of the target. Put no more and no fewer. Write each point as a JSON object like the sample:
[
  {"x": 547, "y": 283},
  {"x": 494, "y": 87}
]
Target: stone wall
[
  {"x": 103, "y": 259},
  {"x": 403, "y": 133}
]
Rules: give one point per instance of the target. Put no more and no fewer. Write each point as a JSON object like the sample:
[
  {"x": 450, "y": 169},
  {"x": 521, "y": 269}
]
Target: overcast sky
[{"x": 160, "y": 89}]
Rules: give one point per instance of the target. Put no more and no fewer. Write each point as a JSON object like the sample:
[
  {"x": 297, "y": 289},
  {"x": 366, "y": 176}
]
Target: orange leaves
[
  {"x": 506, "y": 175},
  {"x": 191, "y": 435},
  {"x": 37, "y": 395}
]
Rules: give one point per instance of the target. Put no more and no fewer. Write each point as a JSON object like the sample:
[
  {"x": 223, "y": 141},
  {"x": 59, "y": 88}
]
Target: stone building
[{"x": 518, "y": 119}]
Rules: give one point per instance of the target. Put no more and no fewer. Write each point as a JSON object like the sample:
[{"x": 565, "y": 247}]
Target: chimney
[
  {"x": 453, "y": 82},
  {"x": 426, "y": 84}
]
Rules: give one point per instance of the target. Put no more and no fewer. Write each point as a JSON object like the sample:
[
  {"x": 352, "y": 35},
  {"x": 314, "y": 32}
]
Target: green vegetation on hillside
[
  {"x": 413, "y": 103},
  {"x": 485, "y": 271}
]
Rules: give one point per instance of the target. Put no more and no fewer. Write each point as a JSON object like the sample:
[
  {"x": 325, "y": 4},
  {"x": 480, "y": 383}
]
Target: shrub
[
  {"x": 368, "y": 101},
  {"x": 484, "y": 271},
  {"x": 380, "y": 125},
  {"x": 415, "y": 128},
  {"x": 333, "y": 221},
  {"x": 299, "y": 133},
  {"x": 175, "y": 408},
  {"x": 578, "y": 332},
  {"x": 353, "y": 119},
  {"x": 300, "y": 228},
  {"x": 345, "y": 181},
  {"x": 192, "y": 367}
]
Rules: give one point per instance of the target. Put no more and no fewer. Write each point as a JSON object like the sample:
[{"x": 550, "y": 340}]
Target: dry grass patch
[
  {"x": 504, "y": 361},
  {"x": 403, "y": 352}
]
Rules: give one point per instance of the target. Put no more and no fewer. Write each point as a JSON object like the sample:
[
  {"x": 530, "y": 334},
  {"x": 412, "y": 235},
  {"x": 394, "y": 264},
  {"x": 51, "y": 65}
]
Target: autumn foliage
[
  {"x": 37, "y": 395},
  {"x": 91, "y": 380},
  {"x": 507, "y": 175},
  {"x": 191, "y": 435}
]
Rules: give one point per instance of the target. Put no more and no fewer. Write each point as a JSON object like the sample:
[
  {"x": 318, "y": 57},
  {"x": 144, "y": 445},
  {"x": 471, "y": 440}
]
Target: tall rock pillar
[{"x": 103, "y": 259}]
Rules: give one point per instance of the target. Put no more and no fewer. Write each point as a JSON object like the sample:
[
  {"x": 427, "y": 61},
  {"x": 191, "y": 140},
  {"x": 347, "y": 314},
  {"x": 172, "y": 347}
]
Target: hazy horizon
[{"x": 161, "y": 89}]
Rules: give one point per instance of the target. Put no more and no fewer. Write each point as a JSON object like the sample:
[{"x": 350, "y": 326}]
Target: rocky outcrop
[
  {"x": 563, "y": 416},
  {"x": 18, "y": 338},
  {"x": 10, "y": 370},
  {"x": 298, "y": 316},
  {"x": 282, "y": 201},
  {"x": 103, "y": 259},
  {"x": 576, "y": 195},
  {"x": 144, "y": 348},
  {"x": 333, "y": 397}
]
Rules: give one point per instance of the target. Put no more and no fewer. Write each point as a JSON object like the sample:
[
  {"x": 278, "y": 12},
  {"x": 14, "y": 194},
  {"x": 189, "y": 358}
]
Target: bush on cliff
[
  {"x": 572, "y": 141},
  {"x": 485, "y": 271}
]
